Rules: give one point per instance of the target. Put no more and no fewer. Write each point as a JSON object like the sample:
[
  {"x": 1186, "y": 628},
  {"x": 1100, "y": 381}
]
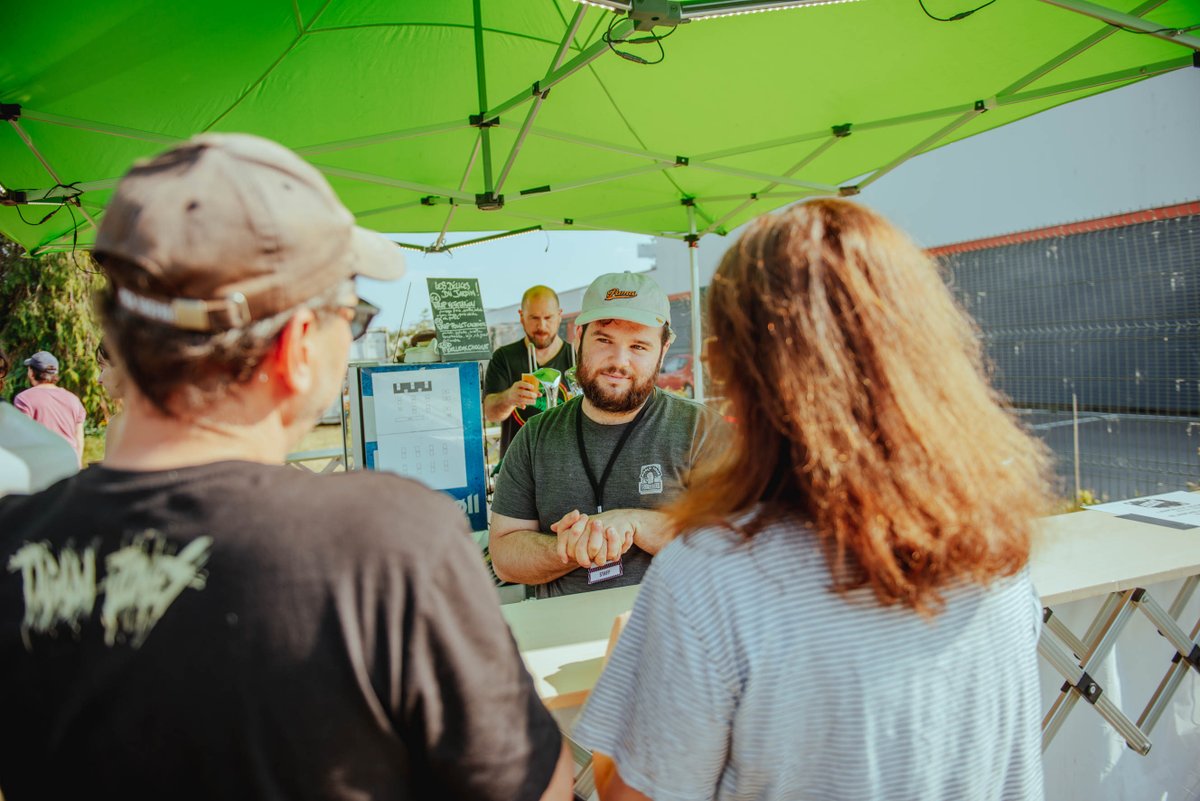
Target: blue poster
[{"x": 425, "y": 421}]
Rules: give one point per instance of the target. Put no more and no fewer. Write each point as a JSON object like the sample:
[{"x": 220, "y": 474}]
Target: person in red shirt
[{"x": 56, "y": 408}]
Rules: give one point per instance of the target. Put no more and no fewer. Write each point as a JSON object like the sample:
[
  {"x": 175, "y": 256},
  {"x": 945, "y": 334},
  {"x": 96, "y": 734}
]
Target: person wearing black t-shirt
[
  {"x": 193, "y": 619},
  {"x": 577, "y": 500},
  {"x": 509, "y": 400}
]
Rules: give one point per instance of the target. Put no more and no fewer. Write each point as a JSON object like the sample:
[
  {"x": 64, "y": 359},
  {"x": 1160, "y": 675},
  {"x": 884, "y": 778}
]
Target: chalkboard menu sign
[{"x": 458, "y": 318}]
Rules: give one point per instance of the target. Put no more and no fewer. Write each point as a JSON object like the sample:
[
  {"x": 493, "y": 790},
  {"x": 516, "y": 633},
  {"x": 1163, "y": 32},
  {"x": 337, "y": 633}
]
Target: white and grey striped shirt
[{"x": 741, "y": 675}]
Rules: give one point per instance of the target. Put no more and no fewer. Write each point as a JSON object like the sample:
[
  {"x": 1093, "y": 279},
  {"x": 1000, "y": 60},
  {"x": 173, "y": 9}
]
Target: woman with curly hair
[{"x": 847, "y": 613}]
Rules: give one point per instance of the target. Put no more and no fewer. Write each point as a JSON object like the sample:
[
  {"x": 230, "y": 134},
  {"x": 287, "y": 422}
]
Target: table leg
[
  {"x": 1187, "y": 651},
  {"x": 1102, "y": 635}
]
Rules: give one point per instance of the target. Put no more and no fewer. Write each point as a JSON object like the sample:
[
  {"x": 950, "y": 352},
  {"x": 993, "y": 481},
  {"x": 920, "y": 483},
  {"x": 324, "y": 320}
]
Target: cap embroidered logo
[{"x": 615, "y": 294}]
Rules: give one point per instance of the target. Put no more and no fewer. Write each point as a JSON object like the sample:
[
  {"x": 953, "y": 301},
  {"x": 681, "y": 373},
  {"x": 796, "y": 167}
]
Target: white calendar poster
[{"x": 419, "y": 426}]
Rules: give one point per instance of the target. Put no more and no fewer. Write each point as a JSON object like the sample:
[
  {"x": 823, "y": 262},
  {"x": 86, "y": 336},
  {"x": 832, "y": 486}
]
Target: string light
[{"x": 733, "y": 8}]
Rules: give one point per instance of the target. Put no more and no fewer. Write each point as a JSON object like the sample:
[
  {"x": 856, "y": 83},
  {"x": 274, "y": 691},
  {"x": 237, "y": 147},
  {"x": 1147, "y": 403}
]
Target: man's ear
[
  {"x": 662, "y": 357},
  {"x": 295, "y": 354}
]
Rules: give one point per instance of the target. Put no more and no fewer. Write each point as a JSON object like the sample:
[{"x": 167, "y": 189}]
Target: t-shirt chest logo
[{"x": 650, "y": 479}]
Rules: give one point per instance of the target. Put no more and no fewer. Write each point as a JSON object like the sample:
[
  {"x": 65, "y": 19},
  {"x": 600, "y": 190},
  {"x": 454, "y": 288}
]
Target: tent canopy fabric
[{"x": 492, "y": 115}]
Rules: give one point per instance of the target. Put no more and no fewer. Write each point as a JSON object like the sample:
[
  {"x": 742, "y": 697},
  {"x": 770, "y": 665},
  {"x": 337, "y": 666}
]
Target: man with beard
[
  {"x": 509, "y": 398},
  {"x": 575, "y": 505}
]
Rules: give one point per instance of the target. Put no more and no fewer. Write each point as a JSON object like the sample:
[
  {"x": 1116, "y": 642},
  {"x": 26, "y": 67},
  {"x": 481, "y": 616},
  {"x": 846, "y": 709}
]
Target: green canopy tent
[{"x": 668, "y": 118}]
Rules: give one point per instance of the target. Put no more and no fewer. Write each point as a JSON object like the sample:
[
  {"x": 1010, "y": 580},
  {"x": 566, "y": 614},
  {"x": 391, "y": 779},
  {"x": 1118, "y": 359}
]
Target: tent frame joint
[
  {"x": 477, "y": 121},
  {"x": 10, "y": 112},
  {"x": 489, "y": 201},
  {"x": 848, "y": 191},
  {"x": 841, "y": 131}
]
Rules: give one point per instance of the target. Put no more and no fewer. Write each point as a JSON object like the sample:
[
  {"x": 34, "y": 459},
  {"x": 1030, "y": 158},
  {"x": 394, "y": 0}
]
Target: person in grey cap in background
[
  {"x": 56, "y": 408},
  {"x": 31, "y": 457},
  {"x": 575, "y": 503},
  {"x": 192, "y": 619}
]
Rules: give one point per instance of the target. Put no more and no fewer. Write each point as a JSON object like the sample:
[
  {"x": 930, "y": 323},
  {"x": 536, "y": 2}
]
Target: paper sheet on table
[{"x": 1177, "y": 509}]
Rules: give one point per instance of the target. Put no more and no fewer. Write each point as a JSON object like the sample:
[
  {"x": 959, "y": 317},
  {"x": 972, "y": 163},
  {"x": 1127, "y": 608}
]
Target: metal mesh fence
[{"x": 1095, "y": 335}]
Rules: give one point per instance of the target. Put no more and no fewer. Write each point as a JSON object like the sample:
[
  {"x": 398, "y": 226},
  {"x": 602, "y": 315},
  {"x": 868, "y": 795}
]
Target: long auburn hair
[{"x": 862, "y": 406}]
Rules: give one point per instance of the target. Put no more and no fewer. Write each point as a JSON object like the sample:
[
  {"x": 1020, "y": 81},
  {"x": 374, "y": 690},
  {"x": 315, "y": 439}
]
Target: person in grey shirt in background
[
  {"x": 576, "y": 501},
  {"x": 847, "y": 613}
]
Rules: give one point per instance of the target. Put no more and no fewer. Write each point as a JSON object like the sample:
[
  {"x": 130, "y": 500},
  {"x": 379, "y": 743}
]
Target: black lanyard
[{"x": 598, "y": 486}]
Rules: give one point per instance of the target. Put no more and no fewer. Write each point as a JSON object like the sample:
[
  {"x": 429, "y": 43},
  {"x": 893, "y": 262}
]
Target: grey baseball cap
[
  {"x": 625, "y": 296},
  {"x": 42, "y": 362},
  {"x": 225, "y": 229}
]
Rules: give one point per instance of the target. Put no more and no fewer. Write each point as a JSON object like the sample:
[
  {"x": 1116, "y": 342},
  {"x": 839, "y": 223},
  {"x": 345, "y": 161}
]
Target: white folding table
[
  {"x": 1075, "y": 556},
  {"x": 1089, "y": 554}
]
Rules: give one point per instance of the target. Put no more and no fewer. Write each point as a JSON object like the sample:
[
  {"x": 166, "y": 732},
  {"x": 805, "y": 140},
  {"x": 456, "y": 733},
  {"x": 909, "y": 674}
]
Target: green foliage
[
  {"x": 1084, "y": 499},
  {"x": 46, "y": 303}
]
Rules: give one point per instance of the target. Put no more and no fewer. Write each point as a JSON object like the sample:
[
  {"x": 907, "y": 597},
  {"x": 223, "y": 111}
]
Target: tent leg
[{"x": 693, "y": 243}]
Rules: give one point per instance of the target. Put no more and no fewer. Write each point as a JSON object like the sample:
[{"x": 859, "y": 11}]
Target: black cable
[
  {"x": 652, "y": 38},
  {"x": 1158, "y": 30},
  {"x": 50, "y": 214},
  {"x": 955, "y": 17}
]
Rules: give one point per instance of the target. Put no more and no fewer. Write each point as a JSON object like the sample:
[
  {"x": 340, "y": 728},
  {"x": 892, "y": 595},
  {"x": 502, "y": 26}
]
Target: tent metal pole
[
  {"x": 488, "y": 238},
  {"x": 559, "y": 55},
  {"x": 547, "y": 222},
  {"x": 81, "y": 186},
  {"x": 762, "y": 176},
  {"x": 441, "y": 240},
  {"x": 485, "y": 136},
  {"x": 382, "y": 138},
  {"x": 1083, "y": 45},
  {"x": 890, "y": 122},
  {"x": 741, "y": 151},
  {"x": 99, "y": 127},
  {"x": 587, "y": 56},
  {"x": 639, "y": 210},
  {"x": 596, "y": 144},
  {"x": 693, "y": 243},
  {"x": 1133, "y": 74},
  {"x": 1128, "y": 21},
  {"x": 923, "y": 145},
  {"x": 358, "y": 215},
  {"x": 809, "y": 159},
  {"x": 758, "y": 195},
  {"x": 592, "y": 181},
  {"x": 366, "y": 177},
  {"x": 33, "y": 149},
  {"x": 48, "y": 245}
]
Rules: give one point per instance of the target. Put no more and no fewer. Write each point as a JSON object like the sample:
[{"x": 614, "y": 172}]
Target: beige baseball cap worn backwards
[
  {"x": 226, "y": 229},
  {"x": 625, "y": 296}
]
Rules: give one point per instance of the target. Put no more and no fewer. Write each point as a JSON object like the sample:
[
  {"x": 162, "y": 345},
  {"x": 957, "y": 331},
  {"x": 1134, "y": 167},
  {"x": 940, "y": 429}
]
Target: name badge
[{"x": 605, "y": 572}]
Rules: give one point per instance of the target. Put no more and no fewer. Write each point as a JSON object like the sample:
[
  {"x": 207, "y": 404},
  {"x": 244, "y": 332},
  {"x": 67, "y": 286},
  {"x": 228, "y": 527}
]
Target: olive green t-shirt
[{"x": 543, "y": 477}]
